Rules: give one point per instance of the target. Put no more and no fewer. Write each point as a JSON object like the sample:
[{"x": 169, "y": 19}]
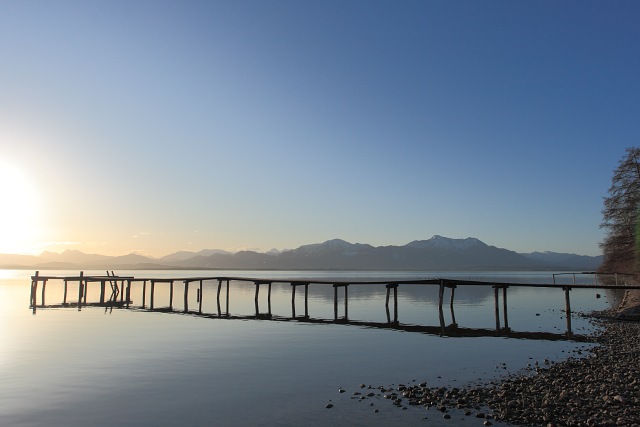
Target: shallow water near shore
[{"x": 64, "y": 366}]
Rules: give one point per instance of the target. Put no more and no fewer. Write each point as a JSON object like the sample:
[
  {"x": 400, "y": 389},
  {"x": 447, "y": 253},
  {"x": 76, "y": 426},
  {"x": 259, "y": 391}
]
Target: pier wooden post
[
  {"x": 395, "y": 304},
  {"x": 144, "y": 293},
  {"x": 171, "y": 295},
  {"x": 269, "y": 300},
  {"x": 440, "y": 304},
  {"x": 200, "y": 298},
  {"x": 306, "y": 300},
  {"x": 567, "y": 304},
  {"x": 453, "y": 314},
  {"x": 256, "y": 299},
  {"x": 186, "y": 296},
  {"x": 257, "y": 290},
  {"x": 128, "y": 292},
  {"x": 64, "y": 297},
  {"x": 504, "y": 308},
  {"x": 153, "y": 288},
  {"x": 386, "y": 304},
  {"x": 218, "y": 299},
  {"x": 497, "y": 307},
  {"x": 102, "y": 288},
  {"x": 34, "y": 288},
  {"x": 346, "y": 302},
  {"x": 44, "y": 286},
  {"x": 393, "y": 286},
  {"x": 80, "y": 290},
  {"x": 293, "y": 300},
  {"x": 335, "y": 302},
  {"x": 227, "y": 297}
]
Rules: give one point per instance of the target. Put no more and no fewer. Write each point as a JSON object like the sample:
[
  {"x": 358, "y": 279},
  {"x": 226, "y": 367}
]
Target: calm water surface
[{"x": 65, "y": 367}]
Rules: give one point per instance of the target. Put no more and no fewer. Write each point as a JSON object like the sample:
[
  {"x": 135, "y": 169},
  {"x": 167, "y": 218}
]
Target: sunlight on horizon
[{"x": 19, "y": 216}]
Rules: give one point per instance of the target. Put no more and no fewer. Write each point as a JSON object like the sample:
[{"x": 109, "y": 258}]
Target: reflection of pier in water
[{"x": 120, "y": 297}]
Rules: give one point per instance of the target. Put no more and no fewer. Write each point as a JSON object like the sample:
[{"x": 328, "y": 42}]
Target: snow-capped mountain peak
[{"x": 441, "y": 242}]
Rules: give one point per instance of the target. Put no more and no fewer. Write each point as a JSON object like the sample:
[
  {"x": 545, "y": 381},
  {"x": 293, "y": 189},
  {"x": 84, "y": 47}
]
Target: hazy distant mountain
[
  {"x": 566, "y": 261},
  {"x": 436, "y": 253},
  {"x": 74, "y": 257},
  {"x": 184, "y": 255}
]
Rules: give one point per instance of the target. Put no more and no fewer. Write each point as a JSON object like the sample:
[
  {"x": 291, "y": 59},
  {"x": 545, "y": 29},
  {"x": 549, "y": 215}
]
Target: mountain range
[{"x": 436, "y": 253}]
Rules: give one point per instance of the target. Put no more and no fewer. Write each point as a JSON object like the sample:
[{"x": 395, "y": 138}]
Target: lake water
[{"x": 102, "y": 366}]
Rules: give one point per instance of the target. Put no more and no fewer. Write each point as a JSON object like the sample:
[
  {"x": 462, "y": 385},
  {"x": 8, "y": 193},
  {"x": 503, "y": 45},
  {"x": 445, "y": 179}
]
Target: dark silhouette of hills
[{"x": 436, "y": 253}]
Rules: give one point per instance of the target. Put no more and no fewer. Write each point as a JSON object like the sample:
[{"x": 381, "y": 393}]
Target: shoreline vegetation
[{"x": 599, "y": 389}]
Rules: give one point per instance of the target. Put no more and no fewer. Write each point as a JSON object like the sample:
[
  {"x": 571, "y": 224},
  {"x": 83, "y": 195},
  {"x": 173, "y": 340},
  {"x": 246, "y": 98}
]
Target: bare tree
[{"x": 620, "y": 215}]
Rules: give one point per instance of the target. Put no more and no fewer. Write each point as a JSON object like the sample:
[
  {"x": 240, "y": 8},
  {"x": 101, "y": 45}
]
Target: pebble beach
[{"x": 598, "y": 386}]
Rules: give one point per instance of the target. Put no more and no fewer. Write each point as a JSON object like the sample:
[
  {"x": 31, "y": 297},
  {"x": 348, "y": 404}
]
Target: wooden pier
[{"x": 120, "y": 297}]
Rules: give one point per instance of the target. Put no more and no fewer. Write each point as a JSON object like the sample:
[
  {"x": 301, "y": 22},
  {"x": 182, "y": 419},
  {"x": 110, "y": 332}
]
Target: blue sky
[{"x": 156, "y": 126}]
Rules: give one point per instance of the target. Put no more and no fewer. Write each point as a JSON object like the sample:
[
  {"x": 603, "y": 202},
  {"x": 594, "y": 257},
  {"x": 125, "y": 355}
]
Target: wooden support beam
[
  {"x": 453, "y": 314},
  {"x": 567, "y": 308},
  {"x": 86, "y": 291},
  {"x": 440, "y": 304},
  {"x": 44, "y": 287},
  {"x": 386, "y": 304},
  {"x": 227, "y": 297},
  {"x": 186, "y": 296},
  {"x": 34, "y": 288},
  {"x": 257, "y": 291},
  {"x": 293, "y": 300},
  {"x": 171, "y": 295},
  {"x": 102, "y": 289},
  {"x": 497, "y": 307},
  {"x": 346, "y": 302},
  {"x": 144, "y": 293},
  {"x": 128, "y": 292},
  {"x": 306, "y": 300},
  {"x": 80, "y": 290},
  {"x": 256, "y": 299},
  {"x": 64, "y": 298},
  {"x": 504, "y": 307},
  {"x": 200, "y": 298},
  {"x": 218, "y": 298},
  {"x": 153, "y": 287}
]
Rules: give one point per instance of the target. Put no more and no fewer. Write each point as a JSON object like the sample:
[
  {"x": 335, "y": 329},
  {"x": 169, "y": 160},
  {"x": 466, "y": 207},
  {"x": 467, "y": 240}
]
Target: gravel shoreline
[{"x": 599, "y": 387}]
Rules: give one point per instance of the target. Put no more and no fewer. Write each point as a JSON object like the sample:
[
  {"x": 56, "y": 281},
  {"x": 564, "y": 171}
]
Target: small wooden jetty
[{"x": 120, "y": 297}]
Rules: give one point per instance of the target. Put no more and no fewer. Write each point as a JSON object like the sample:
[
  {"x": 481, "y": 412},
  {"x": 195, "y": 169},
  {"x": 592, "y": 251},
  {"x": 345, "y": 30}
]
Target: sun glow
[{"x": 19, "y": 220}]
